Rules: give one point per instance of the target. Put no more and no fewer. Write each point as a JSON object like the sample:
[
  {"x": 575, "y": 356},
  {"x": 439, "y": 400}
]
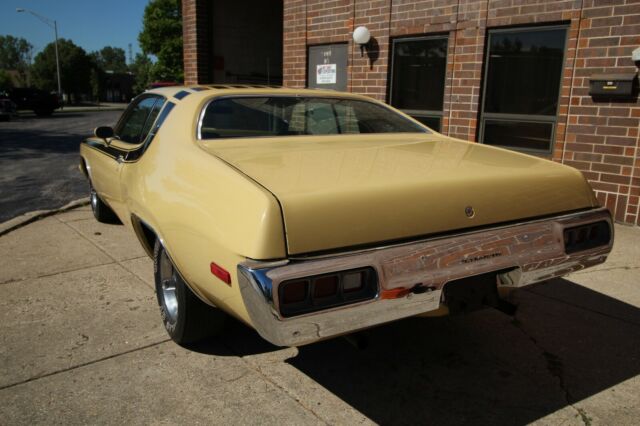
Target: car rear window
[{"x": 283, "y": 115}]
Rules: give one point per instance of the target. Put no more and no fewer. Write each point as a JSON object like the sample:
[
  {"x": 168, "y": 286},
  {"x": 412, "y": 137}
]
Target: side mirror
[{"x": 104, "y": 133}]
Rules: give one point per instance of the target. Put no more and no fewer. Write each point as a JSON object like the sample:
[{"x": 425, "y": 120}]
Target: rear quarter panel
[{"x": 202, "y": 209}]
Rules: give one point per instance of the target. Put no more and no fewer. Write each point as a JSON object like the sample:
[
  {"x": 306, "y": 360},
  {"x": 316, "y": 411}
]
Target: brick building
[{"x": 511, "y": 73}]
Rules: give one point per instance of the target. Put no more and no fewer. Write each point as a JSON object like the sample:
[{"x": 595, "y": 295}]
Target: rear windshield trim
[{"x": 321, "y": 96}]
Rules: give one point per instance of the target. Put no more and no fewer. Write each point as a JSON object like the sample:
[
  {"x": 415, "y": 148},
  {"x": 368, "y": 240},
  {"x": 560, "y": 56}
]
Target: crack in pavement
[
  {"x": 555, "y": 368},
  {"x": 17, "y": 280},
  {"x": 116, "y": 261},
  {"x": 84, "y": 364},
  {"x": 613, "y": 268},
  {"x": 584, "y": 308},
  {"x": 262, "y": 374}
]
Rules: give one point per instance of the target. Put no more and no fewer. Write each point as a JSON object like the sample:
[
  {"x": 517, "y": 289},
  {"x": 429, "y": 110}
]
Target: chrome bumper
[{"x": 524, "y": 253}]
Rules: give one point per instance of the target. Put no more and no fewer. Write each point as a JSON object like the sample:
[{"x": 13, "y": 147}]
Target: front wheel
[
  {"x": 186, "y": 318},
  {"x": 100, "y": 210}
]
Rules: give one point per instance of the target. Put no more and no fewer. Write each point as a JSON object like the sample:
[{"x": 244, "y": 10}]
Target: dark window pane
[
  {"x": 151, "y": 119},
  {"x": 419, "y": 68},
  {"x": 524, "y": 71},
  {"x": 280, "y": 116},
  {"x": 131, "y": 127},
  {"x": 518, "y": 134},
  {"x": 431, "y": 122}
]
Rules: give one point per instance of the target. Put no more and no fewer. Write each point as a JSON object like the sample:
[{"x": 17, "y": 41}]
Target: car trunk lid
[{"x": 348, "y": 191}]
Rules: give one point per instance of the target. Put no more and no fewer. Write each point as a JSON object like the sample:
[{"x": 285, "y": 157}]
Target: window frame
[
  {"x": 412, "y": 112},
  {"x": 392, "y": 110},
  {"x": 527, "y": 118},
  {"x": 127, "y": 113}
]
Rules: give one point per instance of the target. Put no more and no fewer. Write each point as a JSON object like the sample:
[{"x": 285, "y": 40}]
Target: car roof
[{"x": 245, "y": 89}]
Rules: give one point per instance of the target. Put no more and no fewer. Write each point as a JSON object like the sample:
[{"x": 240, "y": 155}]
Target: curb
[
  {"x": 89, "y": 109},
  {"x": 27, "y": 218}
]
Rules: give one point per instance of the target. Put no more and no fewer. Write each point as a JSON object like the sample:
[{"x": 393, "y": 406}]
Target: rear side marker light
[
  {"x": 585, "y": 237},
  {"x": 221, "y": 273}
]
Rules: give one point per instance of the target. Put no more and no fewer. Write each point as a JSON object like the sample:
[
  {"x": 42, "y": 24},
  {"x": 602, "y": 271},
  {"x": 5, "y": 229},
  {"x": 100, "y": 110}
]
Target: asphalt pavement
[
  {"x": 39, "y": 159},
  {"x": 81, "y": 342}
]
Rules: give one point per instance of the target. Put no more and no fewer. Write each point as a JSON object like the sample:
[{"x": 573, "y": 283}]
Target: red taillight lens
[
  {"x": 221, "y": 273},
  {"x": 311, "y": 294},
  {"x": 325, "y": 287},
  {"x": 295, "y": 292},
  {"x": 352, "y": 282}
]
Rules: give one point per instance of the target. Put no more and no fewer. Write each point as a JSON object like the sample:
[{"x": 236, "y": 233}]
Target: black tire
[
  {"x": 101, "y": 211},
  {"x": 186, "y": 318}
]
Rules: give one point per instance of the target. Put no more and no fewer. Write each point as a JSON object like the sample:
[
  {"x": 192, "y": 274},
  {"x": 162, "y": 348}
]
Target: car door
[{"x": 128, "y": 140}]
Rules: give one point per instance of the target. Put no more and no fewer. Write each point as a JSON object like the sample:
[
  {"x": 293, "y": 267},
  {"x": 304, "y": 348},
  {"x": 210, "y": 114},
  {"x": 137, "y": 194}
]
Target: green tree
[
  {"x": 110, "y": 59},
  {"x": 6, "y": 82},
  {"x": 15, "y": 54},
  {"x": 75, "y": 68},
  {"x": 161, "y": 37},
  {"x": 141, "y": 69},
  {"x": 95, "y": 80}
]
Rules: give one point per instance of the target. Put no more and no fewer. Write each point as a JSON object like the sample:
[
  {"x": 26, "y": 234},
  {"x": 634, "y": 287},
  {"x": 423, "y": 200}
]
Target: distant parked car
[
  {"x": 7, "y": 108},
  {"x": 39, "y": 101}
]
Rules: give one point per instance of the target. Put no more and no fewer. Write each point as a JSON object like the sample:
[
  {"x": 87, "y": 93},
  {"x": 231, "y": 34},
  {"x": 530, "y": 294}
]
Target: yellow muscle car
[{"x": 310, "y": 214}]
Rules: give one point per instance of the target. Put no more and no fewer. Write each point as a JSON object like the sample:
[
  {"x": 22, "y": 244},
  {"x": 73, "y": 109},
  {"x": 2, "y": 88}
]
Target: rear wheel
[
  {"x": 186, "y": 318},
  {"x": 101, "y": 211}
]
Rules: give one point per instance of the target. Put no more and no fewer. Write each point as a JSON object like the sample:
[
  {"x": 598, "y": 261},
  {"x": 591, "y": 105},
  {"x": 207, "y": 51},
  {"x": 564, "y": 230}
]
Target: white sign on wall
[{"x": 326, "y": 74}]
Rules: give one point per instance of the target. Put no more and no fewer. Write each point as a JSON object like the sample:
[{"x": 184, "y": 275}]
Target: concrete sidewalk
[{"x": 81, "y": 342}]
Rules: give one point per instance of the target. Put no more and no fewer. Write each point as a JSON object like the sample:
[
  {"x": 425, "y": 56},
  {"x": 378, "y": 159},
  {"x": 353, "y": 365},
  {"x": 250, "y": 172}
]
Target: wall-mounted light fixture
[
  {"x": 635, "y": 55},
  {"x": 361, "y": 36}
]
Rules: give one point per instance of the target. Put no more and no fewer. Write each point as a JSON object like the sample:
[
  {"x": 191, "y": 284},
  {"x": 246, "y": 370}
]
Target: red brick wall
[
  {"x": 602, "y": 137},
  {"x": 599, "y": 138}
]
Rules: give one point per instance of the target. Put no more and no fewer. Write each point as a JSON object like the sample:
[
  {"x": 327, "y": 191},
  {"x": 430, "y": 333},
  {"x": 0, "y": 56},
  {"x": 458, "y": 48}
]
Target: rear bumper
[{"x": 524, "y": 253}]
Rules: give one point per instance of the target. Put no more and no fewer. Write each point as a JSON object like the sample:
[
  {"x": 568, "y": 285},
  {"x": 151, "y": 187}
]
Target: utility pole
[{"x": 53, "y": 24}]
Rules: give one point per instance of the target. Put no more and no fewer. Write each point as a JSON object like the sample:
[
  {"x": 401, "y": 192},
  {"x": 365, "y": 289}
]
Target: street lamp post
[{"x": 53, "y": 24}]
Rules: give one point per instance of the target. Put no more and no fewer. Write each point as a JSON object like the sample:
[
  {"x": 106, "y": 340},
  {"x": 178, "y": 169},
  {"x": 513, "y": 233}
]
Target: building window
[
  {"x": 522, "y": 87},
  {"x": 418, "y": 71}
]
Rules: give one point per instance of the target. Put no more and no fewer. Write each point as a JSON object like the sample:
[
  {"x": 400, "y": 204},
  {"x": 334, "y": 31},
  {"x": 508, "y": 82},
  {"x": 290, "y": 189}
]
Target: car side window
[
  {"x": 138, "y": 119},
  {"x": 151, "y": 118}
]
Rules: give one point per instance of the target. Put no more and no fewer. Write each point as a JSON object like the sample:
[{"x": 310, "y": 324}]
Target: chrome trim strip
[
  {"x": 440, "y": 236},
  {"x": 523, "y": 254}
]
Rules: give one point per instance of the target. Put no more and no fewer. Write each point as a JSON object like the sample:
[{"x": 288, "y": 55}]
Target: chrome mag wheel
[
  {"x": 168, "y": 281},
  {"x": 93, "y": 196}
]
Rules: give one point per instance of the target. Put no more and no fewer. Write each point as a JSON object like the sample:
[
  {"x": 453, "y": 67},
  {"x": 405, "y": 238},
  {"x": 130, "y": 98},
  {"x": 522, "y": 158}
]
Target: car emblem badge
[{"x": 469, "y": 212}]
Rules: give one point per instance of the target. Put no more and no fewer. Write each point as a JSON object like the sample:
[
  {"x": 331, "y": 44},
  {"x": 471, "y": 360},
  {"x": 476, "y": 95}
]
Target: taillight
[
  {"x": 585, "y": 237},
  {"x": 353, "y": 281},
  {"x": 295, "y": 292},
  {"x": 325, "y": 287},
  {"x": 319, "y": 292}
]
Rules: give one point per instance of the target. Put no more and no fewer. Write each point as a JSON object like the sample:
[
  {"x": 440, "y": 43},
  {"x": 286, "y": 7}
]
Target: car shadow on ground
[{"x": 564, "y": 344}]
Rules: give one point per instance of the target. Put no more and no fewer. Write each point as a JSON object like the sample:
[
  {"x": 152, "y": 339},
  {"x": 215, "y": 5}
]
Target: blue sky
[{"x": 91, "y": 24}]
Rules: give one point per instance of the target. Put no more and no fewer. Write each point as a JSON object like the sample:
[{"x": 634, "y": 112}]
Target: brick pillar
[
  {"x": 294, "y": 57},
  {"x": 196, "y": 41},
  {"x": 466, "y": 82}
]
